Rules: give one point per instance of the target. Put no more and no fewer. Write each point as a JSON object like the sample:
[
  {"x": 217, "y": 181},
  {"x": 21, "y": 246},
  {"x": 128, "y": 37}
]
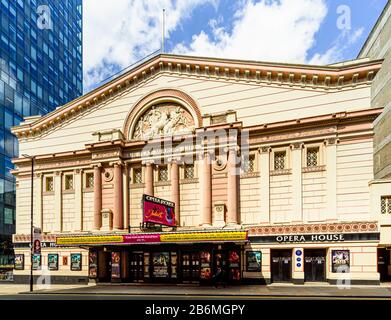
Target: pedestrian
[{"x": 217, "y": 276}]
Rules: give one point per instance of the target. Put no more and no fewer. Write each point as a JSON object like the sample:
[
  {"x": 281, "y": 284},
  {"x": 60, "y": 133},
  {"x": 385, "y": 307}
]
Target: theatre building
[{"x": 265, "y": 171}]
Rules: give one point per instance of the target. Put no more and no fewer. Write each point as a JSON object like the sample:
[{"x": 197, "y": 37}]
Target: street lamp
[{"x": 31, "y": 220}]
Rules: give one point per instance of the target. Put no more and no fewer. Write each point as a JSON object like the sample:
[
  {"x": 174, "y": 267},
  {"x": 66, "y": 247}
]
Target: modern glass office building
[{"x": 40, "y": 69}]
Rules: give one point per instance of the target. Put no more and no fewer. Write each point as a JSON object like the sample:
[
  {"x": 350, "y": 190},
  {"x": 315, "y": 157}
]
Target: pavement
[{"x": 316, "y": 290}]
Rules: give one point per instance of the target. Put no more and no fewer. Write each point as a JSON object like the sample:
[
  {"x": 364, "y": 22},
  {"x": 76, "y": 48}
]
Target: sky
[{"x": 117, "y": 33}]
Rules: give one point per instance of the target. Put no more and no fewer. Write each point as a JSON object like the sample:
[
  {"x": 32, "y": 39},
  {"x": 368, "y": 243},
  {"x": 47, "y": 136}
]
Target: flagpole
[{"x": 164, "y": 10}]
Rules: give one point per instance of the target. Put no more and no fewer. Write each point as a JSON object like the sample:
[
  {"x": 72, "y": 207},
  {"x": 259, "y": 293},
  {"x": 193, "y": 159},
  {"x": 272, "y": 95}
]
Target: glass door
[
  {"x": 136, "y": 266},
  {"x": 190, "y": 266}
]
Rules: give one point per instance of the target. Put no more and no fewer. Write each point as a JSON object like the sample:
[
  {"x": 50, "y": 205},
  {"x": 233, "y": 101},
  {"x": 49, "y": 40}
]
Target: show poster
[
  {"x": 37, "y": 240},
  {"x": 19, "y": 262},
  {"x": 36, "y": 262},
  {"x": 75, "y": 261},
  {"x": 115, "y": 265},
  {"x": 93, "y": 264},
  {"x": 234, "y": 259},
  {"x": 158, "y": 211},
  {"x": 53, "y": 261},
  {"x": 160, "y": 262},
  {"x": 340, "y": 260},
  {"x": 254, "y": 259},
  {"x": 206, "y": 270}
]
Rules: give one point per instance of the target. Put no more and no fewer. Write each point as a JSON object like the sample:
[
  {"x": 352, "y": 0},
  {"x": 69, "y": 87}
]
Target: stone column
[
  {"x": 149, "y": 179},
  {"x": 264, "y": 169},
  {"x": 206, "y": 190},
  {"x": 232, "y": 187},
  {"x": 125, "y": 189},
  {"x": 175, "y": 195},
  {"x": 78, "y": 226},
  {"x": 297, "y": 185},
  {"x": 331, "y": 178},
  {"x": 118, "y": 217},
  {"x": 97, "y": 196},
  {"x": 58, "y": 201}
]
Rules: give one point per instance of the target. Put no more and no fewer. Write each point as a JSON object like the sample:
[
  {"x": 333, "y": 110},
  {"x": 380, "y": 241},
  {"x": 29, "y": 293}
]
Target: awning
[{"x": 153, "y": 238}]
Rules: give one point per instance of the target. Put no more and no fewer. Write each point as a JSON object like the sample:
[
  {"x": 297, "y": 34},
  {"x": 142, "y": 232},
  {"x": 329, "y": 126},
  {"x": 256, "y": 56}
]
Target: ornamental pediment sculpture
[{"x": 163, "y": 119}]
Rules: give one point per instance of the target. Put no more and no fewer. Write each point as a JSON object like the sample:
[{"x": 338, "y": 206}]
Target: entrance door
[
  {"x": 281, "y": 265},
  {"x": 314, "y": 265},
  {"x": 136, "y": 260},
  {"x": 383, "y": 260},
  {"x": 104, "y": 266},
  {"x": 191, "y": 266}
]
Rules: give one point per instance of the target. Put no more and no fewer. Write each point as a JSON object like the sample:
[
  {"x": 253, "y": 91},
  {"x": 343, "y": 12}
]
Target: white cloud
[
  {"x": 336, "y": 52},
  {"x": 119, "y": 32},
  {"x": 267, "y": 30}
]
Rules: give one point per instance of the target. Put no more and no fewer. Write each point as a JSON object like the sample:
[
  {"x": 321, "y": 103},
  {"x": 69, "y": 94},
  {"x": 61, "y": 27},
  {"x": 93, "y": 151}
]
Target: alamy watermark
[{"x": 44, "y": 21}]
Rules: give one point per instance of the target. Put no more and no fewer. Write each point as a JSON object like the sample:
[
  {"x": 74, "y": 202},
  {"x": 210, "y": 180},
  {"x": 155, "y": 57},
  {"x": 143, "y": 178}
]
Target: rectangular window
[
  {"x": 189, "y": 171},
  {"x": 249, "y": 163},
  {"x": 163, "y": 174},
  {"x": 279, "y": 160},
  {"x": 385, "y": 205},
  {"x": 8, "y": 216},
  {"x": 89, "y": 180},
  {"x": 49, "y": 184},
  {"x": 312, "y": 157},
  {"x": 137, "y": 175},
  {"x": 68, "y": 182}
]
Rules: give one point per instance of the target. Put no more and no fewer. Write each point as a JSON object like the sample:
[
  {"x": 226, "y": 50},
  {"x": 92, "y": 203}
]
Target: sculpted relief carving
[{"x": 163, "y": 119}]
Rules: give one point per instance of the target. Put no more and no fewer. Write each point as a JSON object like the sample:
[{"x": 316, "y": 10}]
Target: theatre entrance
[
  {"x": 383, "y": 264},
  {"x": 136, "y": 266},
  {"x": 314, "y": 265},
  {"x": 281, "y": 263}
]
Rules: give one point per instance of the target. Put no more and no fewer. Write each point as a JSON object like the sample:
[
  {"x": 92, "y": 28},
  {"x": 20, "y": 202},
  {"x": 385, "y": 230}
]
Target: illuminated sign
[
  {"x": 158, "y": 211},
  {"x": 153, "y": 238},
  {"x": 204, "y": 236}
]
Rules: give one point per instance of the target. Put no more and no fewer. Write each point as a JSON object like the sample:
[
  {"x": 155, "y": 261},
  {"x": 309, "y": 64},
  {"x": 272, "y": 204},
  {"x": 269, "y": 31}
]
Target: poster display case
[
  {"x": 76, "y": 263},
  {"x": 253, "y": 261},
  {"x": 36, "y": 262},
  {"x": 52, "y": 261},
  {"x": 93, "y": 264},
  {"x": 340, "y": 260},
  {"x": 19, "y": 262},
  {"x": 205, "y": 264}
]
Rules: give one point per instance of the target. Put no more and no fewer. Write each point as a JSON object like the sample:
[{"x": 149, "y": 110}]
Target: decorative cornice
[
  {"x": 322, "y": 77},
  {"x": 371, "y": 226}
]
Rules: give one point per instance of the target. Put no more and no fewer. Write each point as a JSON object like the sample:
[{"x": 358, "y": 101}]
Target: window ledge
[
  {"x": 48, "y": 193},
  {"x": 249, "y": 175},
  {"x": 162, "y": 183},
  {"x": 314, "y": 169},
  {"x": 280, "y": 172},
  {"x": 187, "y": 181},
  {"x": 88, "y": 189},
  {"x": 68, "y": 191},
  {"x": 137, "y": 185}
]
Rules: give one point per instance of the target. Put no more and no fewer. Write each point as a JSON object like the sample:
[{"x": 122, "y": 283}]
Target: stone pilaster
[
  {"x": 58, "y": 201},
  {"x": 125, "y": 189},
  {"x": 206, "y": 190},
  {"x": 149, "y": 188},
  {"x": 264, "y": 169},
  {"x": 97, "y": 196},
  {"x": 297, "y": 182},
  {"x": 175, "y": 193},
  {"x": 331, "y": 178},
  {"x": 118, "y": 198},
  {"x": 232, "y": 187},
  {"x": 78, "y": 186},
  {"x": 38, "y": 213}
]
